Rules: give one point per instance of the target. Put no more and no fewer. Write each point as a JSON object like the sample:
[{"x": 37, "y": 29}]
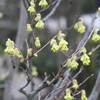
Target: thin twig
[{"x": 53, "y": 11}]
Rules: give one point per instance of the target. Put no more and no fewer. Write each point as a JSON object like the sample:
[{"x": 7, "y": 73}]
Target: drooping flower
[
  {"x": 40, "y": 24},
  {"x": 29, "y": 28},
  {"x": 16, "y": 52},
  {"x": 85, "y": 59},
  {"x": 29, "y": 51},
  {"x": 34, "y": 71},
  {"x": 83, "y": 95},
  {"x": 31, "y": 9},
  {"x": 55, "y": 48},
  {"x": 10, "y": 43},
  {"x": 32, "y": 3},
  {"x": 37, "y": 42},
  {"x": 38, "y": 17},
  {"x": 43, "y": 3},
  {"x": 72, "y": 64},
  {"x": 83, "y": 50},
  {"x": 60, "y": 35},
  {"x": 68, "y": 95},
  {"x": 75, "y": 84},
  {"x": 95, "y": 37},
  {"x": 53, "y": 41},
  {"x": 79, "y": 26}
]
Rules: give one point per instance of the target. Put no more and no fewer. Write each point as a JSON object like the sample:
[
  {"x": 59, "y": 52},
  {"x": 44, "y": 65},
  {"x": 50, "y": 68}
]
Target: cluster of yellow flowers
[
  {"x": 62, "y": 43},
  {"x": 32, "y": 10},
  {"x": 96, "y": 36},
  {"x": 72, "y": 63},
  {"x": 79, "y": 26},
  {"x": 68, "y": 95},
  {"x": 12, "y": 50}
]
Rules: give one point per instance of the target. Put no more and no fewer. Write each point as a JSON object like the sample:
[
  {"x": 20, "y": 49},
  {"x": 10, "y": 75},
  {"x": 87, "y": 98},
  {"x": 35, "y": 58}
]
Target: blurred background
[{"x": 13, "y": 23}]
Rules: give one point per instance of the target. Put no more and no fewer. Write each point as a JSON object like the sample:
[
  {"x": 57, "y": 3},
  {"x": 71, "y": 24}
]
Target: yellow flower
[
  {"x": 83, "y": 95},
  {"x": 96, "y": 30},
  {"x": 9, "y": 51},
  {"x": 75, "y": 85},
  {"x": 76, "y": 26},
  {"x": 37, "y": 42},
  {"x": 64, "y": 48},
  {"x": 53, "y": 41},
  {"x": 40, "y": 24},
  {"x": 95, "y": 37},
  {"x": 38, "y": 17},
  {"x": 21, "y": 58},
  {"x": 68, "y": 63},
  {"x": 72, "y": 64},
  {"x": 35, "y": 55},
  {"x": 16, "y": 52},
  {"x": 60, "y": 35},
  {"x": 74, "y": 57},
  {"x": 32, "y": 3},
  {"x": 34, "y": 71},
  {"x": 62, "y": 43},
  {"x": 68, "y": 95},
  {"x": 31, "y": 10},
  {"x": 85, "y": 59},
  {"x": 43, "y": 3},
  {"x": 83, "y": 50},
  {"x": 9, "y": 43},
  {"x": 81, "y": 29},
  {"x": 79, "y": 26},
  {"x": 29, "y": 28},
  {"x": 29, "y": 52},
  {"x": 55, "y": 48}
]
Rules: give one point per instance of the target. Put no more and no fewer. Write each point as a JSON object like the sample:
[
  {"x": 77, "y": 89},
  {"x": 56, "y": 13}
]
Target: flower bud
[
  {"x": 60, "y": 35},
  {"x": 37, "y": 42},
  {"x": 29, "y": 52},
  {"x": 29, "y": 28},
  {"x": 35, "y": 55},
  {"x": 38, "y": 17},
  {"x": 53, "y": 41}
]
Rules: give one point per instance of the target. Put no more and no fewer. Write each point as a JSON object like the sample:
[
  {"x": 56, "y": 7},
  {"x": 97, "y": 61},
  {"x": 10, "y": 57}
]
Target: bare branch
[{"x": 53, "y": 11}]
